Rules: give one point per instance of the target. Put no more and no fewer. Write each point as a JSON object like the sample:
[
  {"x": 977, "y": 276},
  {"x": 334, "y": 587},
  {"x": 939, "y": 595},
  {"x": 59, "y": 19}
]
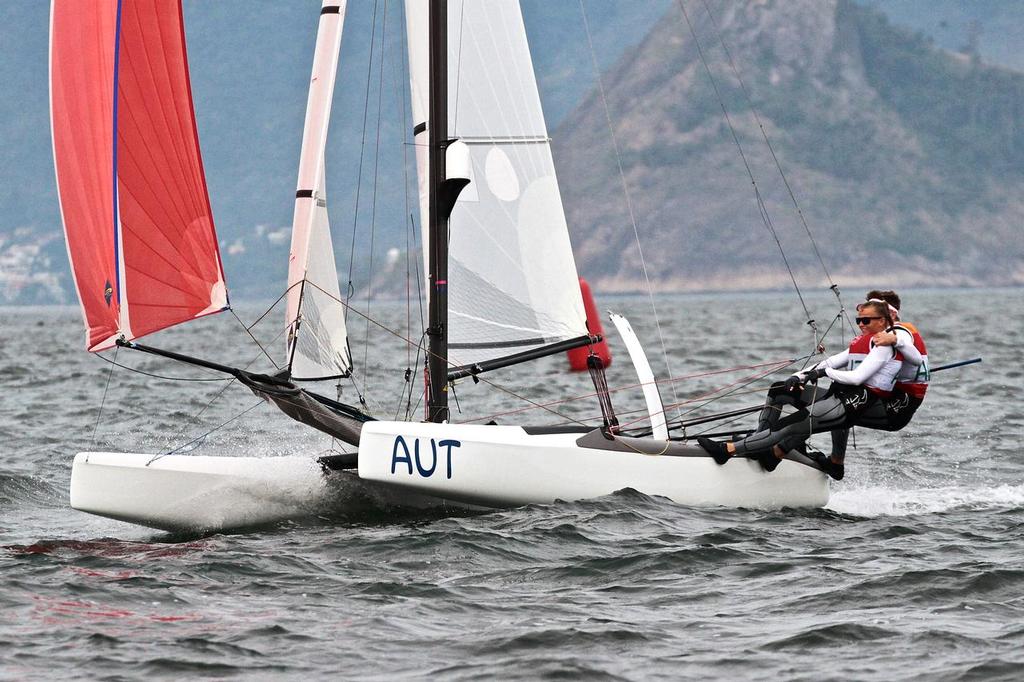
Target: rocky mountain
[
  {"x": 906, "y": 160},
  {"x": 903, "y": 150}
]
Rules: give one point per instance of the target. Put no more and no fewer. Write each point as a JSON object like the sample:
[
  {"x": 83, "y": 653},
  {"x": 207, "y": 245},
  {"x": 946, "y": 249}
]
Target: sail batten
[
  {"x": 512, "y": 343},
  {"x": 141, "y": 238}
]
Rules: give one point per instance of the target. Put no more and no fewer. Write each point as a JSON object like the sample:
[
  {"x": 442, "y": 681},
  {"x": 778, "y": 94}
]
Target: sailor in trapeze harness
[{"x": 878, "y": 382}]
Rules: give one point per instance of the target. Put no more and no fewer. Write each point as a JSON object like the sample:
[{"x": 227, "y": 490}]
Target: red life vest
[{"x": 913, "y": 379}]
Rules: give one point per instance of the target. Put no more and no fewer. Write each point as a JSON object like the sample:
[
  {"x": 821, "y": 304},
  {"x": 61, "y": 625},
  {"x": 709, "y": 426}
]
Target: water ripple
[{"x": 912, "y": 572}]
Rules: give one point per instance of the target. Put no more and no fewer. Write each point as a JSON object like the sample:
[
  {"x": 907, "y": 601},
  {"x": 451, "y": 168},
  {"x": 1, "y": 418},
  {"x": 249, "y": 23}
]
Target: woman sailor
[{"x": 863, "y": 392}]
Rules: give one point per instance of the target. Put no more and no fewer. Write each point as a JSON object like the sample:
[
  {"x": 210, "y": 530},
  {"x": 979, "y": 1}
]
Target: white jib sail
[
  {"x": 512, "y": 281},
  {"x": 317, "y": 339}
]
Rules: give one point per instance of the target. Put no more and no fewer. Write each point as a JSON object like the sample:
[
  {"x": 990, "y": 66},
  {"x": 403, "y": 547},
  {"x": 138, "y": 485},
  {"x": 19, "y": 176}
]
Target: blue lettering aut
[
  {"x": 395, "y": 459},
  {"x": 400, "y": 455}
]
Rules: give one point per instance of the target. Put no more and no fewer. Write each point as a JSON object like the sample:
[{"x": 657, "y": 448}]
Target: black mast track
[{"x": 437, "y": 129}]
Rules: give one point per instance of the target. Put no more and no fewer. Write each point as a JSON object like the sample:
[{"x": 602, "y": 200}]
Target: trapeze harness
[{"x": 886, "y": 399}]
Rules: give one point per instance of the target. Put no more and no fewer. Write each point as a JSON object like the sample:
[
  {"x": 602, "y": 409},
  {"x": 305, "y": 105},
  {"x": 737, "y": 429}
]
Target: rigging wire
[
  {"x": 253, "y": 337},
  {"x": 774, "y": 367},
  {"x": 228, "y": 380},
  {"x": 144, "y": 373},
  {"x": 762, "y": 207},
  {"x": 625, "y": 191},
  {"x": 397, "y": 65},
  {"x": 272, "y": 306},
  {"x": 359, "y": 172},
  {"x": 731, "y": 389},
  {"x": 218, "y": 394},
  {"x": 198, "y": 439},
  {"x": 427, "y": 351},
  {"x": 408, "y": 329},
  {"x": 771, "y": 148},
  {"x": 413, "y": 249},
  {"x": 421, "y": 346},
  {"x": 376, "y": 171},
  {"x": 458, "y": 68},
  {"x": 103, "y": 401},
  {"x": 412, "y": 272}
]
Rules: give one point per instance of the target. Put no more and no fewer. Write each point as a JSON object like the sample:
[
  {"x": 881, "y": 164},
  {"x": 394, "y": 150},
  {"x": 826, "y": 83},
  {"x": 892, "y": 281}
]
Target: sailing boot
[
  {"x": 830, "y": 466},
  {"x": 836, "y": 469},
  {"x": 769, "y": 459},
  {"x": 718, "y": 451}
]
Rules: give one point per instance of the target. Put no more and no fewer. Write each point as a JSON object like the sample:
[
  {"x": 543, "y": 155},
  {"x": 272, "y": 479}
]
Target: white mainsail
[
  {"x": 512, "y": 280},
  {"x": 317, "y": 338}
]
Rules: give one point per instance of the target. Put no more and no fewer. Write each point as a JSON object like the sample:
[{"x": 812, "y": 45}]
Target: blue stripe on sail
[{"x": 117, "y": 218}]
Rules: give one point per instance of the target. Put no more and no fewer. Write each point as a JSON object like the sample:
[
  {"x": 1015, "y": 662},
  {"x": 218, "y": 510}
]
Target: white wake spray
[{"x": 871, "y": 501}]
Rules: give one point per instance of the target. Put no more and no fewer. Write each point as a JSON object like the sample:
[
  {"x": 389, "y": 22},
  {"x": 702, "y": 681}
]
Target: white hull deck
[{"x": 509, "y": 466}]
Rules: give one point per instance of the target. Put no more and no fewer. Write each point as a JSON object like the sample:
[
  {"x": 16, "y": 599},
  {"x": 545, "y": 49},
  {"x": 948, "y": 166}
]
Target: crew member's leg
[
  {"x": 822, "y": 415},
  {"x": 779, "y": 398},
  {"x": 889, "y": 414},
  {"x": 885, "y": 414},
  {"x": 833, "y": 464}
]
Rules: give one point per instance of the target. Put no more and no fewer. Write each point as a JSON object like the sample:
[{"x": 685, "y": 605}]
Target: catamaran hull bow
[
  {"x": 508, "y": 466},
  {"x": 196, "y": 493}
]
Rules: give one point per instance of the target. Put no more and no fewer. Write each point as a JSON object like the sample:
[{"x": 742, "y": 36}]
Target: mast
[{"x": 437, "y": 130}]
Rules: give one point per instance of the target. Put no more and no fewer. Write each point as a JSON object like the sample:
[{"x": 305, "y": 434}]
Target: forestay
[
  {"x": 133, "y": 196},
  {"x": 317, "y": 339},
  {"x": 512, "y": 281}
]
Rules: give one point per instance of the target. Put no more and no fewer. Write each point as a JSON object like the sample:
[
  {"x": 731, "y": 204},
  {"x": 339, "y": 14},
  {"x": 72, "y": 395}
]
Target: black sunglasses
[{"x": 867, "y": 320}]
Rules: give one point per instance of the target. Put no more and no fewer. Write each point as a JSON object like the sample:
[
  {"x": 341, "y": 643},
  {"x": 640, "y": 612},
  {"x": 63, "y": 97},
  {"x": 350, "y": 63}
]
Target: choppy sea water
[{"x": 915, "y": 570}]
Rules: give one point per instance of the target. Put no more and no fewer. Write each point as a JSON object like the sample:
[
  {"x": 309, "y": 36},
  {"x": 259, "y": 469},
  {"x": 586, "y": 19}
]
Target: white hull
[
  {"x": 505, "y": 466},
  {"x": 205, "y": 494},
  {"x": 425, "y": 465},
  {"x": 193, "y": 492}
]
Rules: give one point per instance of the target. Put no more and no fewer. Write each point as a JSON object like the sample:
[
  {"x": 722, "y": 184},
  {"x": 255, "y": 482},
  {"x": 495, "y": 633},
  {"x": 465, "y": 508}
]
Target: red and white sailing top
[
  {"x": 865, "y": 363},
  {"x": 914, "y": 374}
]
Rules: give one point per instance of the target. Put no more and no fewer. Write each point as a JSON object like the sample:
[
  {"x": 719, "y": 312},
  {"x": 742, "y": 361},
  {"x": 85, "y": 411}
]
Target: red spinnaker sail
[{"x": 133, "y": 196}]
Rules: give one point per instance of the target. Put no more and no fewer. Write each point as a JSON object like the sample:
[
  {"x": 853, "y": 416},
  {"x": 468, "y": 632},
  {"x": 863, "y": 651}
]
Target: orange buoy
[{"x": 578, "y": 356}]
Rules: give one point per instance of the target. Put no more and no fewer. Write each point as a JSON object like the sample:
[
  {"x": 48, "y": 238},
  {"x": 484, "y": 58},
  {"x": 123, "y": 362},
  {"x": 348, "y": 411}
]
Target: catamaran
[{"x": 502, "y": 285}]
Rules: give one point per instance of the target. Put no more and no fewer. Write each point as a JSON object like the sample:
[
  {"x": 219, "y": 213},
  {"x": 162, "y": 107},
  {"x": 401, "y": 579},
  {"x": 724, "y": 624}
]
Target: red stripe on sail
[
  {"x": 173, "y": 269},
  {"x": 82, "y": 98}
]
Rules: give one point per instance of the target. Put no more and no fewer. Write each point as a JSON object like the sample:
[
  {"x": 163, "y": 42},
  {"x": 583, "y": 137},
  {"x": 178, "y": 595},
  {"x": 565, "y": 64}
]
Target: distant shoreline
[{"x": 849, "y": 292}]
